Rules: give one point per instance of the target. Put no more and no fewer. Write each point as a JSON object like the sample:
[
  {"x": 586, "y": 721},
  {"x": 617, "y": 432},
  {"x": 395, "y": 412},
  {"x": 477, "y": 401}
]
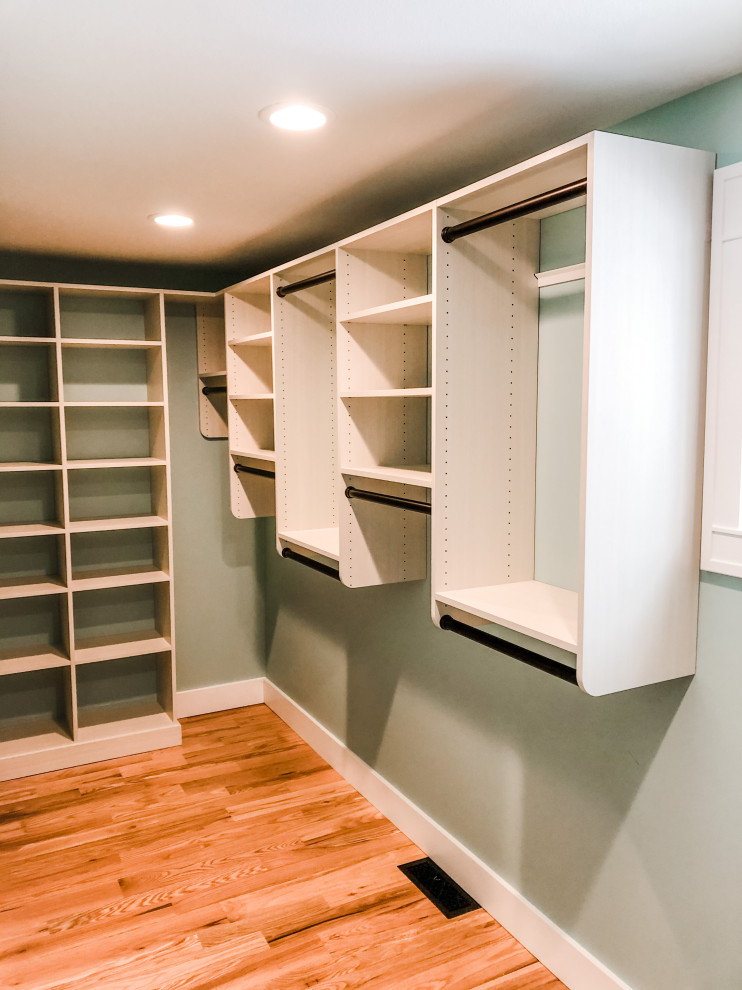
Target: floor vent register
[{"x": 450, "y": 899}]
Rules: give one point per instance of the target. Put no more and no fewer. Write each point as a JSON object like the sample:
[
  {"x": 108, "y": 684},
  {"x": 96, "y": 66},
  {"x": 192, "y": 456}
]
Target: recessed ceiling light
[
  {"x": 295, "y": 116},
  {"x": 171, "y": 220}
]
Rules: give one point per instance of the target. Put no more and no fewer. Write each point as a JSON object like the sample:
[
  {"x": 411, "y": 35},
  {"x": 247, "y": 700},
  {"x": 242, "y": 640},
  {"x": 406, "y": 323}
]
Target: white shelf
[
  {"x": 104, "y": 525},
  {"x": 388, "y": 393},
  {"x": 118, "y": 462},
  {"x": 559, "y": 276},
  {"x": 30, "y": 587},
  {"x": 255, "y": 455},
  {"x": 256, "y": 340},
  {"x": 410, "y": 312},
  {"x": 29, "y": 466},
  {"x": 27, "y": 340},
  {"x": 260, "y": 396},
  {"x": 206, "y": 375},
  {"x": 114, "y": 405},
  {"x": 322, "y": 541},
  {"x": 121, "y": 577},
  {"x": 31, "y": 658},
  {"x": 104, "y": 342},
  {"x": 416, "y": 474},
  {"x": 95, "y": 649},
  {"x": 530, "y": 607},
  {"x": 30, "y": 529},
  {"x": 29, "y": 405}
]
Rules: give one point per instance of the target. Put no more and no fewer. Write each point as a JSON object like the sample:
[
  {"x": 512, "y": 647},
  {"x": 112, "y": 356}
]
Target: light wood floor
[{"x": 239, "y": 860}]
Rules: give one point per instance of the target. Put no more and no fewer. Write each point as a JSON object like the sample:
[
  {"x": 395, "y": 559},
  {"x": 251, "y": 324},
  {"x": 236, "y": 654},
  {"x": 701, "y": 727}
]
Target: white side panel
[
  {"x": 722, "y": 511},
  {"x": 648, "y": 215}
]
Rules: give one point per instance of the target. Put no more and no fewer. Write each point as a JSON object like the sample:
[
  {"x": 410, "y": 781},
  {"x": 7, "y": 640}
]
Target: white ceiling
[{"x": 111, "y": 110}]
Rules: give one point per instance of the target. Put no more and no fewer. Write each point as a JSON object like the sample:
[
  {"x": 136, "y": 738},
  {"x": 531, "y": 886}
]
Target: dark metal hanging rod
[
  {"x": 305, "y": 283},
  {"x": 396, "y": 500},
  {"x": 213, "y": 389},
  {"x": 514, "y": 212},
  {"x": 553, "y": 667},
  {"x": 247, "y": 469},
  {"x": 316, "y": 565}
]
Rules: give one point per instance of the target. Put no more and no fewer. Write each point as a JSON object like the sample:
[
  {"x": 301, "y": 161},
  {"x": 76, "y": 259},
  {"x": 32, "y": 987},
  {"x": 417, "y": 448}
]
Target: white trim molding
[
  {"x": 560, "y": 953},
  {"x": 219, "y": 697}
]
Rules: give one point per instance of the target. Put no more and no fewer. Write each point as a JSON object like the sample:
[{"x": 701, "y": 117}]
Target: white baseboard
[
  {"x": 560, "y": 953},
  {"x": 219, "y": 697}
]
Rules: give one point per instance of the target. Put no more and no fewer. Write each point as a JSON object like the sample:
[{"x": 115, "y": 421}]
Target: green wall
[
  {"x": 219, "y": 619},
  {"x": 619, "y": 817}
]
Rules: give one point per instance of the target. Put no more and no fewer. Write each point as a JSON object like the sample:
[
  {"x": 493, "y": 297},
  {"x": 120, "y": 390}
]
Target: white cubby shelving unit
[
  {"x": 250, "y": 403},
  {"x": 308, "y": 482},
  {"x": 86, "y": 637},
  {"x": 385, "y": 314},
  {"x": 567, "y": 466}
]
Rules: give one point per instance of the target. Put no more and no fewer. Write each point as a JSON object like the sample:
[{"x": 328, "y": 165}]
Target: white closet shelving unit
[
  {"x": 590, "y": 446},
  {"x": 86, "y": 637},
  {"x": 250, "y": 403},
  {"x": 308, "y": 482},
  {"x": 385, "y": 314},
  {"x": 722, "y": 495}
]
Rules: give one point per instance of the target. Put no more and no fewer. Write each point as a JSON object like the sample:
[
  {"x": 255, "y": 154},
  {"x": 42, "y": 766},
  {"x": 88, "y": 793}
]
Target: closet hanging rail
[
  {"x": 213, "y": 389},
  {"x": 553, "y": 667},
  {"x": 246, "y": 469},
  {"x": 290, "y": 554},
  {"x": 396, "y": 500},
  {"x": 305, "y": 283},
  {"x": 552, "y": 198}
]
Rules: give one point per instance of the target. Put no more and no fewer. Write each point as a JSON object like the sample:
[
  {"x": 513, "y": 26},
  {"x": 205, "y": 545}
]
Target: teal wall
[
  {"x": 618, "y": 817},
  {"x": 218, "y": 560}
]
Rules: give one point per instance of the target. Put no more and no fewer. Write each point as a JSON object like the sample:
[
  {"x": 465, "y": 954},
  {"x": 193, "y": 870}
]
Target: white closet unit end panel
[
  {"x": 721, "y": 547},
  {"x": 648, "y": 216}
]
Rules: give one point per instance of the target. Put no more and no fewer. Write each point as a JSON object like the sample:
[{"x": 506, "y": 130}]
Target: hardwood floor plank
[{"x": 237, "y": 861}]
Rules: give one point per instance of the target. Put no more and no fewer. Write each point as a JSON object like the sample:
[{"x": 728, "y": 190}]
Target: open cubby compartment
[
  {"x": 117, "y": 498},
  {"x": 125, "y": 695},
  {"x": 212, "y": 369},
  {"x": 115, "y": 558},
  {"x": 111, "y": 433},
  {"x": 387, "y": 438},
  {"x": 308, "y": 482},
  {"x": 31, "y": 503},
  {"x": 509, "y": 397},
  {"x": 36, "y": 715},
  {"x": 251, "y": 429},
  {"x": 121, "y": 621},
  {"x": 382, "y": 544},
  {"x": 247, "y": 314},
  {"x": 566, "y": 448},
  {"x": 250, "y": 372},
  {"x": 123, "y": 373},
  {"x": 28, "y": 371},
  {"x": 376, "y": 359},
  {"x": 32, "y": 566},
  {"x": 26, "y": 311},
  {"x": 386, "y": 272},
  {"x": 30, "y": 436},
  {"x": 110, "y": 314},
  {"x": 253, "y": 491},
  {"x": 34, "y": 633}
]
